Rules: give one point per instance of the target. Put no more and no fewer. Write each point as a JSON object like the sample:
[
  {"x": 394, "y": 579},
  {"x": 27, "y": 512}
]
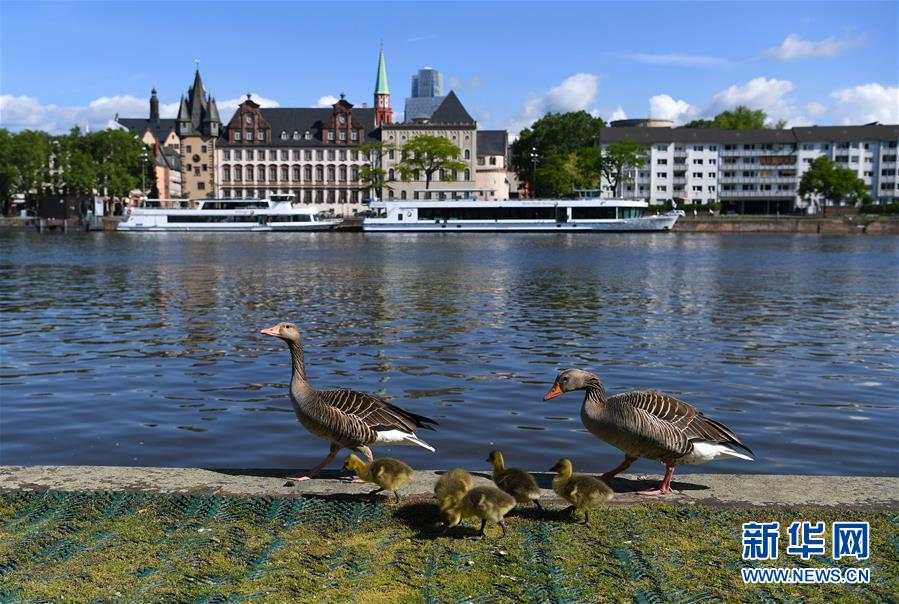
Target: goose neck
[{"x": 298, "y": 370}]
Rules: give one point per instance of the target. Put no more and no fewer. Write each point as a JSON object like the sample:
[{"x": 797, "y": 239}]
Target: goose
[
  {"x": 517, "y": 483},
  {"x": 650, "y": 424},
  {"x": 486, "y": 503},
  {"x": 451, "y": 487},
  {"x": 581, "y": 491},
  {"x": 387, "y": 473},
  {"x": 345, "y": 418}
]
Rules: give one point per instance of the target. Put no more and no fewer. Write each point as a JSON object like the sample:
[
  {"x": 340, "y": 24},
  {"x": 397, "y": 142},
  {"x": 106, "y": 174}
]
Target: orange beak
[
  {"x": 271, "y": 331},
  {"x": 554, "y": 392}
]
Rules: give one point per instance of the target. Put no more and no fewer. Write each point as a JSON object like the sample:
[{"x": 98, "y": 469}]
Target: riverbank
[
  {"x": 739, "y": 490},
  {"x": 844, "y": 225},
  {"x": 160, "y": 534}
]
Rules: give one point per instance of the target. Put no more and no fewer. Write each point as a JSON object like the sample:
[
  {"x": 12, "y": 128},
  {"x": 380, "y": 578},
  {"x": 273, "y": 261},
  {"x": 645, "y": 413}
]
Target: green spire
[{"x": 381, "y": 82}]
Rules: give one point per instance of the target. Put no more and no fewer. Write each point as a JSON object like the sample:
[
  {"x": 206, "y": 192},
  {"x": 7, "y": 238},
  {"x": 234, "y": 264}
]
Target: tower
[
  {"x": 154, "y": 105},
  {"x": 383, "y": 112}
]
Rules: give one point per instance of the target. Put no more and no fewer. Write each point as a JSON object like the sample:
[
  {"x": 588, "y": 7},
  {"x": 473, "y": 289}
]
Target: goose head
[
  {"x": 286, "y": 331},
  {"x": 496, "y": 459},
  {"x": 571, "y": 379},
  {"x": 563, "y": 467}
]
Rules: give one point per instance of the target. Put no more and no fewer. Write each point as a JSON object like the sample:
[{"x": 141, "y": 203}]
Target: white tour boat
[
  {"x": 534, "y": 215},
  {"x": 277, "y": 213}
]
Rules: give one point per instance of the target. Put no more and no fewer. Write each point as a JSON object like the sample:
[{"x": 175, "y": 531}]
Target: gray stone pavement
[{"x": 858, "y": 492}]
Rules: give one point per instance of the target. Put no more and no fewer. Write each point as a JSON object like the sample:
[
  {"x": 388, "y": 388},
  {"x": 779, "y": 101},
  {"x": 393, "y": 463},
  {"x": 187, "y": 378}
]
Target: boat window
[
  {"x": 228, "y": 204},
  {"x": 630, "y": 212},
  {"x": 486, "y": 214},
  {"x": 592, "y": 213},
  {"x": 290, "y": 218}
]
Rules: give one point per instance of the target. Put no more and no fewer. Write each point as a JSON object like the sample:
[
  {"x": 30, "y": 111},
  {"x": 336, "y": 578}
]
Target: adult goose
[
  {"x": 345, "y": 418},
  {"x": 650, "y": 424}
]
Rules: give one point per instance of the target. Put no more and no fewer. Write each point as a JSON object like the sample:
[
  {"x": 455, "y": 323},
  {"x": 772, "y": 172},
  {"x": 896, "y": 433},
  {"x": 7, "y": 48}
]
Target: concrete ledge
[{"x": 857, "y": 492}]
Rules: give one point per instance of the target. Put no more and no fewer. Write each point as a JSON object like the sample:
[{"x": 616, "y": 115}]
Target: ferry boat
[
  {"x": 586, "y": 213},
  {"x": 277, "y": 213}
]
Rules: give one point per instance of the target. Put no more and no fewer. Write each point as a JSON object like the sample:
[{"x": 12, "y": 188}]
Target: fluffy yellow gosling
[
  {"x": 517, "y": 483},
  {"x": 387, "y": 473},
  {"x": 581, "y": 491},
  {"x": 486, "y": 503}
]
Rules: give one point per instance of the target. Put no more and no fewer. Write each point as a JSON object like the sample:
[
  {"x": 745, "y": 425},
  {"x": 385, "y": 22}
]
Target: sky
[{"x": 68, "y": 63}]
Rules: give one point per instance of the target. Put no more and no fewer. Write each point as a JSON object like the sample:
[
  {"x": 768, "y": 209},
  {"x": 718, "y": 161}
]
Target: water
[{"x": 142, "y": 349}]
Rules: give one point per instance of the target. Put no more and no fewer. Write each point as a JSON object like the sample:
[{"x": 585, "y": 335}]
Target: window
[
  {"x": 203, "y": 149},
  {"x": 307, "y": 173},
  {"x": 342, "y": 155},
  {"x": 330, "y": 135},
  {"x": 391, "y": 154},
  {"x": 402, "y": 195},
  {"x": 226, "y": 155},
  {"x": 331, "y": 155},
  {"x": 319, "y": 155},
  {"x": 205, "y": 168},
  {"x": 711, "y": 175},
  {"x": 284, "y": 173},
  {"x": 713, "y": 147},
  {"x": 467, "y": 174},
  {"x": 284, "y": 154},
  {"x": 467, "y": 154},
  {"x": 237, "y": 173},
  {"x": 296, "y": 155},
  {"x": 249, "y": 135},
  {"x": 354, "y": 135},
  {"x": 272, "y": 155},
  {"x": 697, "y": 188},
  {"x": 661, "y": 175},
  {"x": 354, "y": 155},
  {"x": 201, "y": 185},
  {"x": 226, "y": 173},
  {"x": 283, "y": 136},
  {"x": 354, "y": 173},
  {"x": 391, "y": 175},
  {"x": 697, "y": 147},
  {"x": 250, "y": 173},
  {"x": 711, "y": 188},
  {"x": 237, "y": 154},
  {"x": 661, "y": 147},
  {"x": 661, "y": 161},
  {"x": 260, "y": 134},
  {"x": 492, "y": 160},
  {"x": 343, "y": 135},
  {"x": 697, "y": 174},
  {"x": 296, "y": 135},
  {"x": 307, "y": 135},
  {"x": 307, "y": 155},
  {"x": 250, "y": 155},
  {"x": 189, "y": 150},
  {"x": 331, "y": 175},
  {"x": 661, "y": 187},
  {"x": 273, "y": 173},
  {"x": 712, "y": 162},
  {"x": 296, "y": 173},
  {"x": 342, "y": 173},
  {"x": 697, "y": 161}
]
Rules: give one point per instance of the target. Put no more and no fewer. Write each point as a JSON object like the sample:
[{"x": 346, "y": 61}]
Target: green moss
[{"x": 113, "y": 547}]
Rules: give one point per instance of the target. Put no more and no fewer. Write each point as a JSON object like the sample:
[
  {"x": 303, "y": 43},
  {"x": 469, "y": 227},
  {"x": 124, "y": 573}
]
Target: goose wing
[
  {"x": 374, "y": 413},
  {"x": 682, "y": 416}
]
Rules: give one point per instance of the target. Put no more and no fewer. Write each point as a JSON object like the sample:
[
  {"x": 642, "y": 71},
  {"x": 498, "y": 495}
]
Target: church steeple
[
  {"x": 154, "y": 106},
  {"x": 383, "y": 112}
]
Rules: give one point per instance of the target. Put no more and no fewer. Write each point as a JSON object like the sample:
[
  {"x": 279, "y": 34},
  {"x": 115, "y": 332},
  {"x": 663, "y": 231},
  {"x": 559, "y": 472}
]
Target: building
[
  {"x": 427, "y": 95},
  {"x": 491, "y": 173},
  {"x": 311, "y": 152},
  {"x": 451, "y": 121},
  {"x": 160, "y": 134},
  {"x": 383, "y": 112},
  {"x": 198, "y": 126},
  {"x": 752, "y": 171}
]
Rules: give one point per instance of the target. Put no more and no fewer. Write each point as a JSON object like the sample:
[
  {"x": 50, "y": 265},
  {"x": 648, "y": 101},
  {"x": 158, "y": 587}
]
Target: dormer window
[
  {"x": 330, "y": 135},
  {"x": 237, "y": 135},
  {"x": 355, "y": 135},
  {"x": 260, "y": 135},
  {"x": 308, "y": 136},
  {"x": 249, "y": 135},
  {"x": 283, "y": 136},
  {"x": 343, "y": 135},
  {"x": 296, "y": 135}
]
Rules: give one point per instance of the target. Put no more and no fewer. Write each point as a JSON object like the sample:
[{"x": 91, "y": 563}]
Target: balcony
[{"x": 754, "y": 152}]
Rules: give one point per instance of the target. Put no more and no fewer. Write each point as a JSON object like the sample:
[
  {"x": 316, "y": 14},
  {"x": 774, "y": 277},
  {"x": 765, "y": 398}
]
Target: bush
[{"x": 877, "y": 208}]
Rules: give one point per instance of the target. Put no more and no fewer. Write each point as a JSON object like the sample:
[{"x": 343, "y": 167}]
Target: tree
[
  {"x": 556, "y": 138},
  {"x": 619, "y": 159},
  {"x": 825, "y": 180},
  {"x": 30, "y": 161},
  {"x": 429, "y": 154},
  {"x": 374, "y": 173},
  {"x": 6, "y": 171},
  {"x": 741, "y": 118}
]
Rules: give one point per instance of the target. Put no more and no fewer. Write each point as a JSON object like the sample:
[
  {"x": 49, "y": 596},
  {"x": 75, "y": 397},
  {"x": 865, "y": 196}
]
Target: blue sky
[{"x": 806, "y": 62}]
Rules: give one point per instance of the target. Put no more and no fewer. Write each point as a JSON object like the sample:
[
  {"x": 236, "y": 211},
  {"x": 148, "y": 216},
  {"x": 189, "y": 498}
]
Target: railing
[{"x": 746, "y": 152}]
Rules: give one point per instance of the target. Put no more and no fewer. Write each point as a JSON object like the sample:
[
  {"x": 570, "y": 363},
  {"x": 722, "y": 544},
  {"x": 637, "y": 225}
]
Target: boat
[
  {"x": 276, "y": 213},
  {"x": 452, "y": 213}
]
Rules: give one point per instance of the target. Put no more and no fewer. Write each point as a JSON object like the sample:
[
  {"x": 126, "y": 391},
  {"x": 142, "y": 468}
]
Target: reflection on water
[{"x": 143, "y": 349}]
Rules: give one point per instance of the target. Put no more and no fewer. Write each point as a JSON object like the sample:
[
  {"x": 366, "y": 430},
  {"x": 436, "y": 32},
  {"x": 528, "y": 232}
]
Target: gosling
[
  {"x": 451, "y": 488},
  {"x": 581, "y": 491},
  {"x": 385, "y": 472},
  {"x": 486, "y": 503},
  {"x": 517, "y": 483}
]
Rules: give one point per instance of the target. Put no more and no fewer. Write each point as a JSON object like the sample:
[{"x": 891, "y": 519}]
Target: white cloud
[
  {"x": 27, "y": 112},
  {"x": 618, "y": 114},
  {"x": 227, "y": 107},
  {"x": 456, "y": 83},
  {"x": 794, "y": 47},
  {"x": 867, "y": 103},
  {"x": 575, "y": 93},
  {"x": 678, "y": 59},
  {"x": 325, "y": 101},
  {"x": 768, "y": 94},
  {"x": 666, "y": 107}
]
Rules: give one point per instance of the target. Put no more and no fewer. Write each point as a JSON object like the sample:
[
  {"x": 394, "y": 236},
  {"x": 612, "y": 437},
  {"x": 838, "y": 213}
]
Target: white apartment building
[{"x": 752, "y": 171}]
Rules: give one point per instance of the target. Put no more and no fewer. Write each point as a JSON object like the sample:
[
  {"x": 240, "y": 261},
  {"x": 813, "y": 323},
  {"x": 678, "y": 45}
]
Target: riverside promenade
[{"x": 111, "y": 534}]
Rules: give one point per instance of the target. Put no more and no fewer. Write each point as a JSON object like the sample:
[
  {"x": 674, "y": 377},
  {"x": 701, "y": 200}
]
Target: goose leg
[
  {"x": 628, "y": 460},
  {"x": 586, "y": 521},
  {"x": 663, "y": 488},
  {"x": 537, "y": 503},
  {"x": 314, "y": 471},
  {"x": 375, "y": 492},
  {"x": 503, "y": 525}
]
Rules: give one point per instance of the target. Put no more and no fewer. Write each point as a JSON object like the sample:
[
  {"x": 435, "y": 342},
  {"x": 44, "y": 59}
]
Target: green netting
[{"x": 121, "y": 547}]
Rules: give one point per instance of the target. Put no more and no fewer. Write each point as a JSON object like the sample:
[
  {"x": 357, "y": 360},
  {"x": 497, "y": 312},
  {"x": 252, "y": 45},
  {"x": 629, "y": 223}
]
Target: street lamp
[
  {"x": 534, "y": 158},
  {"x": 143, "y": 170}
]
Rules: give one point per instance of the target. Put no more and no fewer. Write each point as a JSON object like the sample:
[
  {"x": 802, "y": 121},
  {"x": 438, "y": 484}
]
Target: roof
[
  {"x": 451, "y": 111},
  {"x": 648, "y": 136},
  {"x": 160, "y": 128},
  {"x": 421, "y": 107},
  {"x": 492, "y": 142},
  {"x": 170, "y": 158},
  {"x": 301, "y": 119},
  {"x": 381, "y": 81}
]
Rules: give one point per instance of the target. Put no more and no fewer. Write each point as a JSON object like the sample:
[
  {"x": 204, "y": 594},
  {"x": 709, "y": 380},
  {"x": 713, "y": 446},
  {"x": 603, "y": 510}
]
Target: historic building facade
[
  {"x": 450, "y": 121},
  {"x": 312, "y": 153},
  {"x": 492, "y": 172},
  {"x": 198, "y": 126},
  {"x": 160, "y": 134}
]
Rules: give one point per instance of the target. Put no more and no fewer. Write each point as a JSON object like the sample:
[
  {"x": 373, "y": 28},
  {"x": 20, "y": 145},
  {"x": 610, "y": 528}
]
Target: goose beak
[
  {"x": 554, "y": 392},
  {"x": 271, "y": 331}
]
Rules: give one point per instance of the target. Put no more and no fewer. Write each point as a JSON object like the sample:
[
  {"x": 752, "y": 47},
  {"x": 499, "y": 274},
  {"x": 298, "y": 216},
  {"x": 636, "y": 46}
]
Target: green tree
[
  {"x": 825, "y": 182},
  {"x": 374, "y": 173},
  {"x": 741, "y": 118},
  {"x": 117, "y": 153},
  {"x": 556, "y": 139},
  {"x": 78, "y": 174},
  {"x": 429, "y": 154},
  {"x": 619, "y": 159},
  {"x": 6, "y": 171},
  {"x": 30, "y": 161}
]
